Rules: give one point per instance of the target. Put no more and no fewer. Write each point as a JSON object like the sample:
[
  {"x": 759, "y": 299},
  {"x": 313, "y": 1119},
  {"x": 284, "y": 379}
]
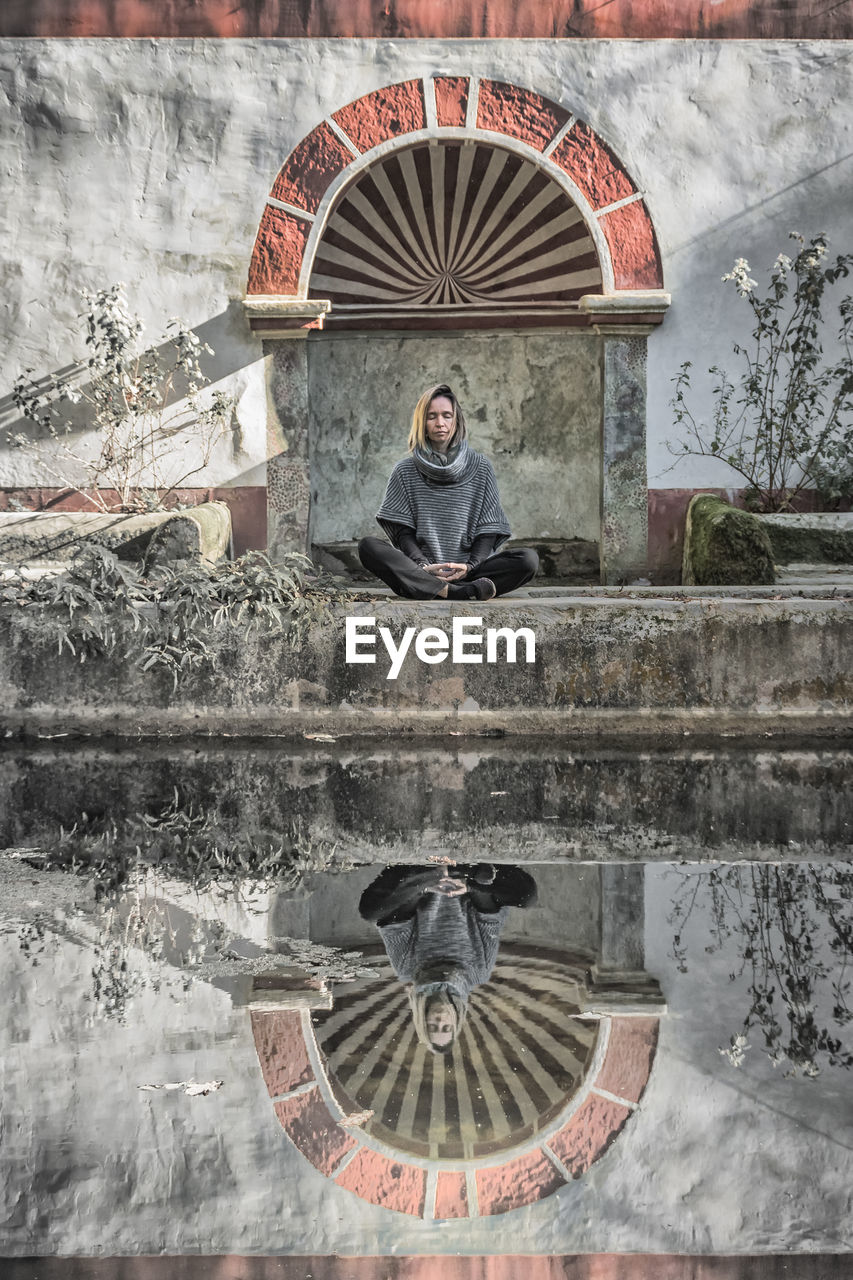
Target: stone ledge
[
  {"x": 605, "y": 666},
  {"x": 162, "y": 536},
  {"x": 817, "y": 537}
]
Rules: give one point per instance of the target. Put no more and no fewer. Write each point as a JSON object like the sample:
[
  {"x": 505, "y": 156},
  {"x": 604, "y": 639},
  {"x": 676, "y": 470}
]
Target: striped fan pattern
[
  {"x": 521, "y": 1056},
  {"x": 454, "y": 225}
]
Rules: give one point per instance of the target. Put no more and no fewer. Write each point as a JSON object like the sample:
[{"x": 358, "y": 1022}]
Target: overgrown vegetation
[
  {"x": 157, "y": 424},
  {"x": 133, "y": 864},
  {"x": 785, "y": 422},
  {"x": 164, "y": 618},
  {"x": 130, "y": 861},
  {"x": 791, "y": 928},
  {"x": 181, "y": 842}
]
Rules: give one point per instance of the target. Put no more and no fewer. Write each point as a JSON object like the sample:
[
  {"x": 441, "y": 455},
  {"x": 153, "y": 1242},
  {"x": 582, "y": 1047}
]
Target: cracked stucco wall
[{"x": 149, "y": 161}]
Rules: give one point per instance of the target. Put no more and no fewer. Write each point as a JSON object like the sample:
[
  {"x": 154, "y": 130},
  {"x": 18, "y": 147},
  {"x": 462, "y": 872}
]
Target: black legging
[
  {"x": 507, "y": 569},
  {"x": 395, "y": 894}
]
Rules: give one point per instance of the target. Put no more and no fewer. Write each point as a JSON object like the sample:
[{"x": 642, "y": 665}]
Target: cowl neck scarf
[{"x": 449, "y": 468}]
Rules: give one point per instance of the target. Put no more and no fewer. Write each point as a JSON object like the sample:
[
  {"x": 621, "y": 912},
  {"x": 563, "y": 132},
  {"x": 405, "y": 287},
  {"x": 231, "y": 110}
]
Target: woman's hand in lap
[{"x": 448, "y": 571}]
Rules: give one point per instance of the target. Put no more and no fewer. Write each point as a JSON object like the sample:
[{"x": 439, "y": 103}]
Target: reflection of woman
[
  {"x": 441, "y": 930},
  {"x": 443, "y": 515}
]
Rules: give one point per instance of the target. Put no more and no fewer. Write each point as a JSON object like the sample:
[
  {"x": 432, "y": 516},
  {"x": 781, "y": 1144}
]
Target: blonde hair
[
  {"x": 417, "y": 433},
  {"x": 420, "y": 1002}
]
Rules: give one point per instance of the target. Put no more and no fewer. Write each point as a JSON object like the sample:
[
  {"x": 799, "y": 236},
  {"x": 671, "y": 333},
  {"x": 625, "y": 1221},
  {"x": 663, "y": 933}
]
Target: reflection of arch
[
  {"x": 537, "y": 131},
  {"x": 521, "y": 1056},
  {"x": 313, "y": 1110}
]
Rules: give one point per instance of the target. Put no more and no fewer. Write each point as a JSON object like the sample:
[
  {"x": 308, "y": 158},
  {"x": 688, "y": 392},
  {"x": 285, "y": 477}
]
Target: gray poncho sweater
[
  {"x": 446, "y": 518},
  {"x": 447, "y": 940}
]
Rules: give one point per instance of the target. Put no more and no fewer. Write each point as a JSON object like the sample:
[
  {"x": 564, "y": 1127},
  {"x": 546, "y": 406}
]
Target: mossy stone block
[
  {"x": 808, "y": 540},
  {"x": 725, "y": 547}
]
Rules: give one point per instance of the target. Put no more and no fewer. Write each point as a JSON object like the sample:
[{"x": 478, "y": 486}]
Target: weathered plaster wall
[
  {"x": 716, "y": 1160},
  {"x": 532, "y": 405},
  {"x": 150, "y": 161}
]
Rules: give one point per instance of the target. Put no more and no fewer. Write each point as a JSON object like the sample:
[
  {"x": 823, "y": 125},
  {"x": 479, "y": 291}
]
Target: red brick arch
[
  {"x": 295, "y": 1080},
  {"x": 567, "y": 146}
]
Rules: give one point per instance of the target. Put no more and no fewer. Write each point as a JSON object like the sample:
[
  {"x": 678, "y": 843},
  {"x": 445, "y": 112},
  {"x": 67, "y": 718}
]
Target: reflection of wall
[
  {"x": 439, "y": 1181},
  {"x": 532, "y": 402},
  {"x": 714, "y": 1161},
  {"x": 518, "y": 800}
]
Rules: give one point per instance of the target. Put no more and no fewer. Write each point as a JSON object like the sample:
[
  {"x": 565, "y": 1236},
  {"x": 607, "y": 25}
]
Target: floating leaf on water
[
  {"x": 358, "y": 1118},
  {"x": 193, "y": 1088}
]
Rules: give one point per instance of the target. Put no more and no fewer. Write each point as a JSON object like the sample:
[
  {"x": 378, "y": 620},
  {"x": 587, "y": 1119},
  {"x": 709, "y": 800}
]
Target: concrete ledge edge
[{"x": 274, "y": 722}]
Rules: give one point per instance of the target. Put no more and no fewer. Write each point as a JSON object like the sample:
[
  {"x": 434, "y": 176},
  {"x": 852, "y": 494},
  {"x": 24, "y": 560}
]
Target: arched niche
[{"x": 474, "y": 232}]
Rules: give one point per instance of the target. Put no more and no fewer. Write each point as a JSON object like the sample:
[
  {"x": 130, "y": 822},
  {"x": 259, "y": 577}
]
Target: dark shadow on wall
[
  {"x": 721, "y": 232},
  {"x": 227, "y": 333},
  {"x": 234, "y": 348}
]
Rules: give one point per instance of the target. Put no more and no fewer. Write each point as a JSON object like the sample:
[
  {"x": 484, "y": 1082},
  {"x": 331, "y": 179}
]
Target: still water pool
[{"x": 221, "y": 967}]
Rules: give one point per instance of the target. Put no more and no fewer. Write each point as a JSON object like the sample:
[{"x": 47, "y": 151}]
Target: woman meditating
[
  {"x": 443, "y": 515},
  {"x": 441, "y": 927}
]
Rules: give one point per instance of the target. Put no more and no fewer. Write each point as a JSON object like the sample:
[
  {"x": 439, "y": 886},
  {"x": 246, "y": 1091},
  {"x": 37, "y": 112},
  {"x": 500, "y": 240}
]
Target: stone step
[
  {"x": 821, "y": 574},
  {"x": 809, "y": 588}
]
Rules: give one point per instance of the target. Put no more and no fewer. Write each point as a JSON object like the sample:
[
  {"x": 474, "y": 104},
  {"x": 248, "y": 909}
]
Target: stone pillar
[
  {"x": 624, "y": 483},
  {"x": 623, "y": 917},
  {"x": 288, "y": 477},
  {"x": 284, "y": 323},
  {"x": 618, "y": 981}
]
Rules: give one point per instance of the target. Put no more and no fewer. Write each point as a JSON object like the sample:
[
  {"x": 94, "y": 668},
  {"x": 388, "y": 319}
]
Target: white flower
[
  {"x": 783, "y": 264},
  {"x": 741, "y": 277},
  {"x": 736, "y": 1050}
]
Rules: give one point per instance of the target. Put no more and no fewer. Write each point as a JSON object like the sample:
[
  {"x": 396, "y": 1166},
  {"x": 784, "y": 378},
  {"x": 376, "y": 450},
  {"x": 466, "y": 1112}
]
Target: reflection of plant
[
  {"x": 164, "y": 618},
  {"x": 792, "y": 928},
  {"x": 784, "y": 423},
  {"x": 114, "y": 981},
  {"x": 181, "y": 843},
  {"x": 131, "y": 861},
  {"x": 144, "y": 442},
  {"x": 31, "y": 939}
]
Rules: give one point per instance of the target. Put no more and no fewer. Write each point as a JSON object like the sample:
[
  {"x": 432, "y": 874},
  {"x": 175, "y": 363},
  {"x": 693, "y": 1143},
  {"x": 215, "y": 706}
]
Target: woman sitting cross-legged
[{"x": 443, "y": 515}]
